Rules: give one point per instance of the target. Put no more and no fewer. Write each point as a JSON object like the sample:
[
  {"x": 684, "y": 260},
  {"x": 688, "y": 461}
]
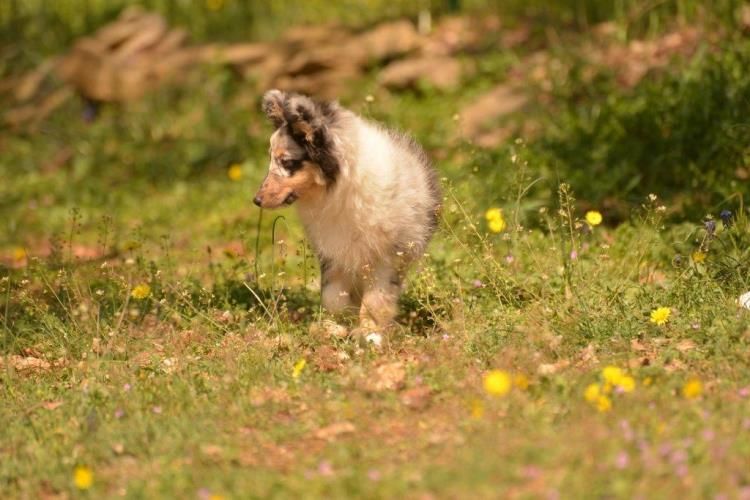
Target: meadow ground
[{"x": 163, "y": 339}]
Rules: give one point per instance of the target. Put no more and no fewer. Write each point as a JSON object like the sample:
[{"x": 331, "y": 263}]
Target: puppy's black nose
[{"x": 257, "y": 200}]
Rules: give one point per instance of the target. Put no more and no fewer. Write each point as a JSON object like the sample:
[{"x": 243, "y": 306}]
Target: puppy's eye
[{"x": 291, "y": 166}]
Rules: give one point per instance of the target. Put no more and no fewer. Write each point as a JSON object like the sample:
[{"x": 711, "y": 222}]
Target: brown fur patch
[
  {"x": 306, "y": 183},
  {"x": 304, "y": 129}
]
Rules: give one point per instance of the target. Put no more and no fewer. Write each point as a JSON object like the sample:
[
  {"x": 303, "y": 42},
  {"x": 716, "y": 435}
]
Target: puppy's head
[{"x": 303, "y": 161}]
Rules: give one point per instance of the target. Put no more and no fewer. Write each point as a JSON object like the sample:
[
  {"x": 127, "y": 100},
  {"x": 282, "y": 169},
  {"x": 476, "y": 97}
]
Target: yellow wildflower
[
  {"x": 19, "y": 254},
  {"x": 593, "y": 218},
  {"x": 660, "y": 315},
  {"x": 698, "y": 256},
  {"x": 592, "y": 393},
  {"x": 141, "y": 291},
  {"x": 235, "y": 172},
  {"x": 497, "y": 383},
  {"x": 626, "y": 383},
  {"x": 493, "y": 213},
  {"x": 612, "y": 375},
  {"x": 648, "y": 381},
  {"x": 298, "y": 367},
  {"x": 692, "y": 389},
  {"x": 215, "y": 496},
  {"x": 603, "y": 404},
  {"x": 83, "y": 478},
  {"x": 520, "y": 381},
  {"x": 497, "y": 225},
  {"x": 495, "y": 220}
]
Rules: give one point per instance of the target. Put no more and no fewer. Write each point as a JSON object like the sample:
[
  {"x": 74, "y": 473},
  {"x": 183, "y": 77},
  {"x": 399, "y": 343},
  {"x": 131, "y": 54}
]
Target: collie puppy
[{"x": 368, "y": 198}]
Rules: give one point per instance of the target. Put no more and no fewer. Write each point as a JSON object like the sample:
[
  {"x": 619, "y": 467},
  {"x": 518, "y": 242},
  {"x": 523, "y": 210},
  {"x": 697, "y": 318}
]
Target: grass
[{"x": 192, "y": 389}]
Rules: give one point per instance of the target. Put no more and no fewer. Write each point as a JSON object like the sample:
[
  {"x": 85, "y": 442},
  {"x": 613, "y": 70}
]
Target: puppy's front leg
[
  {"x": 381, "y": 288},
  {"x": 336, "y": 289}
]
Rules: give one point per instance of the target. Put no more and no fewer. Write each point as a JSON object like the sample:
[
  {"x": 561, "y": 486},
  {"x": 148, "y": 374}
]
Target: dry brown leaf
[
  {"x": 654, "y": 276},
  {"x": 636, "y": 345},
  {"x": 587, "y": 356},
  {"x": 328, "y": 329},
  {"x": 387, "y": 377},
  {"x": 334, "y": 430},
  {"x": 416, "y": 398},
  {"x": 262, "y": 395},
  {"x": 674, "y": 365},
  {"x": 26, "y": 364},
  {"x": 552, "y": 368},
  {"x": 51, "y": 405},
  {"x": 685, "y": 345},
  {"x": 326, "y": 359},
  {"x": 634, "y": 363},
  {"x": 212, "y": 451}
]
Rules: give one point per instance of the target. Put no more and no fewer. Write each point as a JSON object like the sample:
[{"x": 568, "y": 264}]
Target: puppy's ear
[
  {"x": 273, "y": 106},
  {"x": 307, "y": 120},
  {"x": 311, "y": 124}
]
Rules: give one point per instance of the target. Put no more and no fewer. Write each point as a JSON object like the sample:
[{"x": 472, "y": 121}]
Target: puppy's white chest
[{"x": 340, "y": 240}]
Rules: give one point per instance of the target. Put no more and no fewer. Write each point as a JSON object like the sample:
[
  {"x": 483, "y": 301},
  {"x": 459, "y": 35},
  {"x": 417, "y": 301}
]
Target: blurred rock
[
  {"x": 306, "y": 36},
  {"x": 633, "y": 61},
  {"x": 441, "y": 72},
  {"x": 494, "y": 137},
  {"x": 515, "y": 37},
  {"x": 389, "y": 40},
  {"x": 464, "y": 34},
  {"x": 139, "y": 52},
  {"x": 324, "y": 60},
  {"x": 484, "y": 112},
  {"x": 235, "y": 54},
  {"x": 743, "y": 16}
]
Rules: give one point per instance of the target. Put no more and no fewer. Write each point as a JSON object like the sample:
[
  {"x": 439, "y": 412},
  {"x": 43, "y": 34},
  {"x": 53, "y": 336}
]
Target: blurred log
[
  {"x": 139, "y": 52},
  {"x": 323, "y": 60},
  {"x": 388, "y": 41},
  {"x": 37, "y": 112},
  {"x": 443, "y": 73},
  {"x": 125, "y": 59},
  {"x": 29, "y": 85}
]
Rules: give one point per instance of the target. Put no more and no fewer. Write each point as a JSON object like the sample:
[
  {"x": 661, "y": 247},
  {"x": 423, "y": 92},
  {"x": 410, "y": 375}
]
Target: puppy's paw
[{"x": 369, "y": 337}]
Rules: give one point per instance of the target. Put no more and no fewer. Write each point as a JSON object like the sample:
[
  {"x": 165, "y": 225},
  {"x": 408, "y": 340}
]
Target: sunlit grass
[{"x": 161, "y": 339}]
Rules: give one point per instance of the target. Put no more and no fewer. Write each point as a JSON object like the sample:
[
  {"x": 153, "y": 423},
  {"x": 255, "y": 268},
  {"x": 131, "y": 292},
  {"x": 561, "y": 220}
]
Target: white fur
[
  {"x": 381, "y": 201},
  {"x": 377, "y": 207}
]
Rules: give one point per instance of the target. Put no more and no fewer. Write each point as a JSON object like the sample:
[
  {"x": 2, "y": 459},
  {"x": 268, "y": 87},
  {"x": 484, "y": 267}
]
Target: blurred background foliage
[
  {"x": 51, "y": 25},
  {"x": 681, "y": 131}
]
